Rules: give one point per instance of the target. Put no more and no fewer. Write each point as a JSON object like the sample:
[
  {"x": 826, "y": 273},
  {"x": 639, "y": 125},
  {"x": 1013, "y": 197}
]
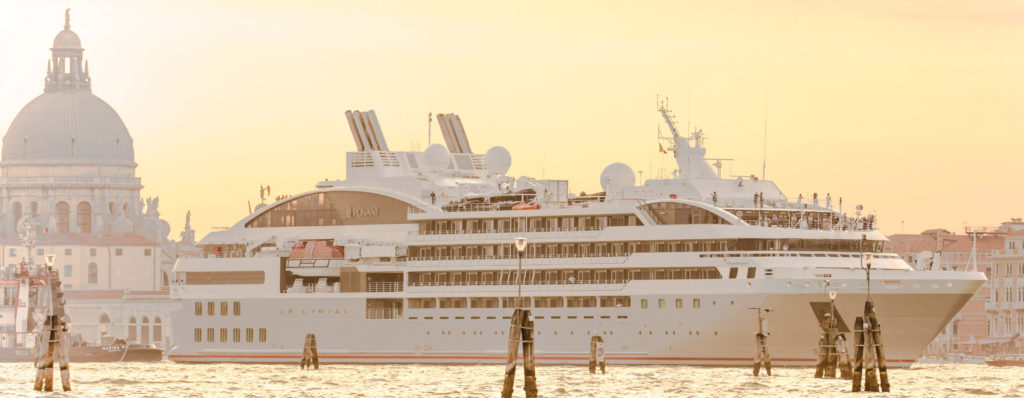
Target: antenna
[
  {"x": 430, "y": 122},
  {"x": 764, "y": 145},
  {"x": 687, "y": 110}
]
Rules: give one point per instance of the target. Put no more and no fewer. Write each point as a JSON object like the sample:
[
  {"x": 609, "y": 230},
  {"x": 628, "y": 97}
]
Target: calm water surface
[{"x": 228, "y": 380}]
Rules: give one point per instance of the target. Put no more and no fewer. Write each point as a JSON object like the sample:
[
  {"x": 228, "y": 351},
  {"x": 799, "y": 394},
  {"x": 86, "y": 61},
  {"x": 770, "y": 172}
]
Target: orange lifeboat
[{"x": 526, "y": 206}]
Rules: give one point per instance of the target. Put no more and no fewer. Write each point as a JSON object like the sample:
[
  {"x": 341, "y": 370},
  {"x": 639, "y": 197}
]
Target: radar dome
[
  {"x": 498, "y": 160},
  {"x": 617, "y": 175},
  {"x": 437, "y": 157}
]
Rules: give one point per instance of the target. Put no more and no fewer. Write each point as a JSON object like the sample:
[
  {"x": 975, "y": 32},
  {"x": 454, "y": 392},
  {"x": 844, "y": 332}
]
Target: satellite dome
[
  {"x": 437, "y": 157},
  {"x": 498, "y": 160},
  {"x": 617, "y": 175}
]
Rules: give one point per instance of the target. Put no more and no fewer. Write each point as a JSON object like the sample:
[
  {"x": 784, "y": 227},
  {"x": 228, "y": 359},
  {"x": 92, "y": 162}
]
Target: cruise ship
[{"x": 411, "y": 259}]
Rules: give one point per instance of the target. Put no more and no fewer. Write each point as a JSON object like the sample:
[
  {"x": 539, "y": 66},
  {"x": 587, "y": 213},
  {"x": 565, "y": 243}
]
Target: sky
[{"x": 912, "y": 109}]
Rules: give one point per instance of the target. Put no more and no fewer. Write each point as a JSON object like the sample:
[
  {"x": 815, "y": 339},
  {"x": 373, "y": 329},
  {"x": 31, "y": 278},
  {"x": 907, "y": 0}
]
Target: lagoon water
[{"x": 169, "y": 379}]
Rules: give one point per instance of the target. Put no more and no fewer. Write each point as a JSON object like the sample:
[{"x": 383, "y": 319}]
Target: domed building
[
  {"x": 68, "y": 170},
  {"x": 68, "y": 161}
]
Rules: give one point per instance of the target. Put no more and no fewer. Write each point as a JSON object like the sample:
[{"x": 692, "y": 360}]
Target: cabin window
[
  {"x": 453, "y": 302},
  {"x": 237, "y": 308},
  {"x": 615, "y": 301},
  {"x": 733, "y": 272},
  {"x": 548, "y": 302},
  {"x": 679, "y": 303},
  {"x": 751, "y": 272},
  {"x": 643, "y": 303},
  {"x": 223, "y": 308},
  {"x": 199, "y": 335},
  {"x": 483, "y": 302},
  {"x": 661, "y": 304},
  {"x": 236, "y": 335},
  {"x": 248, "y": 335},
  {"x": 696, "y": 303},
  {"x": 209, "y": 335},
  {"x": 199, "y": 308},
  {"x": 211, "y": 309},
  {"x": 263, "y": 335},
  {"x": 223, "y": 335}
]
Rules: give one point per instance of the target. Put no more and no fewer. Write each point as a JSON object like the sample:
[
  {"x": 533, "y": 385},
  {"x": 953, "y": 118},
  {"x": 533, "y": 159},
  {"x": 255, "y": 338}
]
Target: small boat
[
  {"x": 1006, "y": 360},
  {"x": 118, "y": 351}
]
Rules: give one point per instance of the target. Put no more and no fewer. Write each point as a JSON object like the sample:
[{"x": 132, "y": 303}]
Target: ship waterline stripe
[{"x": 581, "y": 358}]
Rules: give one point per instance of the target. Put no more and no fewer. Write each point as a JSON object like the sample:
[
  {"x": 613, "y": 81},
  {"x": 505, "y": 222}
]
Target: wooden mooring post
[
  {"x": 761, "y": 357},
  {"x": 52, "y": 339},
  {"x": 310, "y": 358},
  {"x": 596, "y": 354},
  {"x": 520, "y": 331},
  {"x": 870, "y": 355}
]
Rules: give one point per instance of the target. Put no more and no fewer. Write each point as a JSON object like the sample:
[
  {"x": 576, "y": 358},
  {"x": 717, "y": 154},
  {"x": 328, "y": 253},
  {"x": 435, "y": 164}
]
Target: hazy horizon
[{"x": 912, "y": 110}]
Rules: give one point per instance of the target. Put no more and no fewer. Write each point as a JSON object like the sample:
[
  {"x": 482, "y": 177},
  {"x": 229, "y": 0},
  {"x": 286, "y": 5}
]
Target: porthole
[{"x": 716, "y": 333}]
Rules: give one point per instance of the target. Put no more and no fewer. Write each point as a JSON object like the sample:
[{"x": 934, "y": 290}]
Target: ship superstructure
[{"x": 411, "y": 259}]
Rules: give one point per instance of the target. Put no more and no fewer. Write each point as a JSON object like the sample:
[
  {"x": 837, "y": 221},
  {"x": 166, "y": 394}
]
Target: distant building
[
  {"x": 68, "y": 167},
  {"x": 943, "y": 250},
  {"x": 1005, "y": 304}
]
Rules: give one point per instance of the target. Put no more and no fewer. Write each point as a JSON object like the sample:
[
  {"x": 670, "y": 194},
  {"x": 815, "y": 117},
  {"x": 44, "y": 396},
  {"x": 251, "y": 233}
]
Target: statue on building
[{"x": 188, "y": 236}]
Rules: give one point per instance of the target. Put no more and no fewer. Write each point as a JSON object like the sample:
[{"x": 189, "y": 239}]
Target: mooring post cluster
[
  {"x": 310, "y": 358},
  {"x": 870, "y": 359},
  {"x": 521, "y": 330},
  {"x": 761, "y": 357},
  {"x": 596, "y": 353},
  {"x": 52, "y": 347}
]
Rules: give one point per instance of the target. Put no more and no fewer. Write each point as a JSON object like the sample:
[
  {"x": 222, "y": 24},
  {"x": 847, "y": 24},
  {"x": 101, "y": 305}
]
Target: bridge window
[
  {"x": 333, "y": 208},
  {"x": 673, "y": 213}
]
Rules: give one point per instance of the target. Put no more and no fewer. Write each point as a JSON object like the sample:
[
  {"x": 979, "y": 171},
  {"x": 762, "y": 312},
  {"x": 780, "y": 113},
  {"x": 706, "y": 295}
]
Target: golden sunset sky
[{"x": 914, "y": 109}]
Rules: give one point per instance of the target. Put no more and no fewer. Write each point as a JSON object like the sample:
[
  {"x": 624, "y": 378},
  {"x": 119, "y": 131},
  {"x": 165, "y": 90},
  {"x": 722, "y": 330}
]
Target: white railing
[
  {"x": 534, "y": 287},
  {"x": 529, "y": 233},
  {"x": 495, "y": 261},
  {"x": 383, "y": 287},
  {"x": 383, "y": 313}
]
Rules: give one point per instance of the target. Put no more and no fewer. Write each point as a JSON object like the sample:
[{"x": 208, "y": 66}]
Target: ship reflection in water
[{"x": 168, "y": 379}]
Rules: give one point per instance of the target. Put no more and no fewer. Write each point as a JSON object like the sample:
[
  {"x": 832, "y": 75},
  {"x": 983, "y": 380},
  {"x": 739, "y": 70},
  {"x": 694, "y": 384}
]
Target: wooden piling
[
  {"x": 761, "y": 357},
  {"x": 310, "y": 358},
  {"x": 819, "y": 365},
  {"x": 521, "y": 330},
  {"x": 870, "y": 353},
  {"x": 879, "y": 351},
  {"x": 858, "y": 359},
  {"x": 596, "y": 354},
  {"x": 844, "y": 358}
]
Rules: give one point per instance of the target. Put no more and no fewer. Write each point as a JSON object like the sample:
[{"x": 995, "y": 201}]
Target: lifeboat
[{"x": 526, "y": 206}]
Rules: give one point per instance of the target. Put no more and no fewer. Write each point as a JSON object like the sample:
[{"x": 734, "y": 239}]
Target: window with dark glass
[{"x": 333, "y": 208}]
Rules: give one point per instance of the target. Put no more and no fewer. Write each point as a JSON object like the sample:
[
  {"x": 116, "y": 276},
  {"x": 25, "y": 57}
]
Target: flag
[{"x": 661, "y": 148}]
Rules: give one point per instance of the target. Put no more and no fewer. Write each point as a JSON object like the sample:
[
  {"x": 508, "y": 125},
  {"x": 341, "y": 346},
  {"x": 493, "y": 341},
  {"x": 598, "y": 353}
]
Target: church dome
[
  {"x": 67, "y": 39},
  {"x": 68, "y": 126}
]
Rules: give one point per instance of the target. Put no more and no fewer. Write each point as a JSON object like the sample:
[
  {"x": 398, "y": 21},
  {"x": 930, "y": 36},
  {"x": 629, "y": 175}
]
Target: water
[{"x": 230, "y": 380}]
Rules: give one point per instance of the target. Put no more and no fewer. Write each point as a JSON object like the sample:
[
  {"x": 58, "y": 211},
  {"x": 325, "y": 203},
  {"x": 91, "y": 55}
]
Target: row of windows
[
  {"x": 562, "y": 276},
  {"x": 526, "y": 302},
  {"x": 526, "y": 224},
  {"x": 236, "y": 335},
  {"x": 679, "y": 303},
  {"x": 598, "y": 249},
  {"x": 13, "y": 252},
  {"x": 211, "y": 308},
  {"x": 1007, "y": 269}
]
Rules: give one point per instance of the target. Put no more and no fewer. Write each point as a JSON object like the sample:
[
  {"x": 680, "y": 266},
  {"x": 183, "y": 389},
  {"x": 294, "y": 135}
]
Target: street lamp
[{"x": 520, "y": 247}]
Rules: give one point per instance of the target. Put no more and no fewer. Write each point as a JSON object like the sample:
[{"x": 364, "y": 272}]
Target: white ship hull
[{"x": 720, "y": 333}]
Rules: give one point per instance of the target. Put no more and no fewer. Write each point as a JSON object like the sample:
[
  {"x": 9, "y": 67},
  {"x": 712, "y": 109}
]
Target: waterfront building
[
  {"x": 68, "y": 167},
  {"x": 941, "y": 249},
  {"x": 1005, "y": 304}
]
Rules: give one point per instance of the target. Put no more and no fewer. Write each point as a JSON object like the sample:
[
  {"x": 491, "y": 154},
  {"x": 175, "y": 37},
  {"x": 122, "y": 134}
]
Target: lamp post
[
  {"x": 520, "y": 248},
  {"x": 865, "y": 259}
]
